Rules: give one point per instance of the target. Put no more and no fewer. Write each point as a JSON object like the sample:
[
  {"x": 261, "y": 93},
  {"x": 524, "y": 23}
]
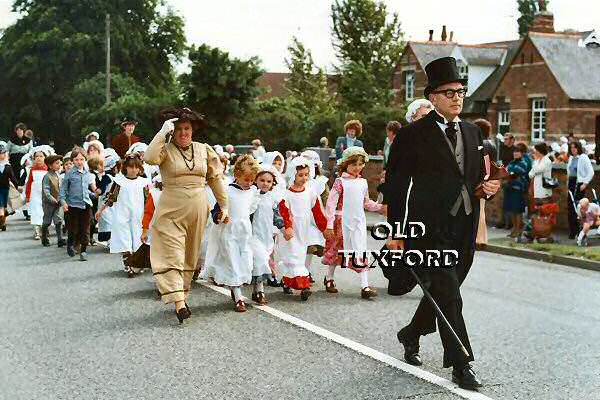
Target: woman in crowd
[
  {"x": 185, "y": 167},
  {"x": 541, "y": 170},
  {"x": 489, "y": 149},
  {"x": 353, "y": 131},
  {"x": 417, "y": 110},
  {"x": 17, "y": 147},
  {"x": 516, "y": 187},
  {"x": 580, "y": 173}
]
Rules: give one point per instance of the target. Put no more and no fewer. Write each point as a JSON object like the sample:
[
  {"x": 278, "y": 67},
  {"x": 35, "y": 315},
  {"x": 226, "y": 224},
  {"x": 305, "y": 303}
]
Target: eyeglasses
[{"x": 449, "y": 93}]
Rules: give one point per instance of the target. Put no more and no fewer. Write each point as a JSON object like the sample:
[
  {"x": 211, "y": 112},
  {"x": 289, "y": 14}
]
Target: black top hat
[{"x": 440, "y": 72}]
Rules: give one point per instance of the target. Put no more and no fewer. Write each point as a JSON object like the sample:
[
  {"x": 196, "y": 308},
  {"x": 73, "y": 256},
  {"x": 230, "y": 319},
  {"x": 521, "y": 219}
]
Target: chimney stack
[
  {"x": 444, "y": 34},
  {"x": 452, "y": 36},
  {"x": 543, "y": 21},
  {"x": 431, "y": 35}
]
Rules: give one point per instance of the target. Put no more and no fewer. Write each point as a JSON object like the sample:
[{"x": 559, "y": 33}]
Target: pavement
[{"x": 75, "y": 330}]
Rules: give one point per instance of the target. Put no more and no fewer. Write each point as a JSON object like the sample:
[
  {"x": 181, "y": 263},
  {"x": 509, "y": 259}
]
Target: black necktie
[{"x": 451, "y": 133}]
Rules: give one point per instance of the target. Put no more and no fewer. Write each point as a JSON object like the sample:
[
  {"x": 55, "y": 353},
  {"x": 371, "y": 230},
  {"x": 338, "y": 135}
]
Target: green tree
[
  {"x": 369, "y": 42},
  {"x": 307, "y": 84},
  {"x": 528, "y": 9},
  {"x": 56, "y": 44},
  {"x": 87, "y": 110},
  {"x": 222, "y": 88}
]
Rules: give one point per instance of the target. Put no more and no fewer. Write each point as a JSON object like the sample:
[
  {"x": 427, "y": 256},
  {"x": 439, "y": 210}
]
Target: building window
[
  {"x": 538, "y": 119},
  {"x": 503, "y": 122},
  {"x": 463, "y": 71},
  {"x": 409, "y": 86}
]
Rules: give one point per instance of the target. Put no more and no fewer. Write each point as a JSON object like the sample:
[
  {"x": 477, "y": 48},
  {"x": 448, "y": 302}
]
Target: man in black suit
[{"x": 434, "y": 167}]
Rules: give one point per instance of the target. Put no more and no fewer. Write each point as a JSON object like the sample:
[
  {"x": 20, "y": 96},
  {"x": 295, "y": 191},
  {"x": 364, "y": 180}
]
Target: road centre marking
[{"x": 360, "y": 348}]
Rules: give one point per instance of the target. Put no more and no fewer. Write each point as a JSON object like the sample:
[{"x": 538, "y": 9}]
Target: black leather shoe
[
  {"x": 466, "y": 378},
  {"x": 411, "y": 346},
  {"x": 182, "y": 314}
]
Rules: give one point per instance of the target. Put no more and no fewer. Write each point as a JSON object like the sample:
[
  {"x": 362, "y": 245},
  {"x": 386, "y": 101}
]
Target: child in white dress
[
  {"x": 33, "y": 188},
  {"x": 318, "y": 184},
  {"x": 264, "y": 218},
  {"x": 346, "y": 220},
  {"x": 229, "y": 252},
  {"x": 127, "y": 195},
  {"x": 298, "y": 206},
  {"x": 275, "y": 160}
]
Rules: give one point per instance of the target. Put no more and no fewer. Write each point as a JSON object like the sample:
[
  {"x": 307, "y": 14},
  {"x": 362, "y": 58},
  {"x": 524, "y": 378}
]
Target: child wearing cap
[
  {"x": 347, "y": 222},
  {"x": 53, "y": 212}
]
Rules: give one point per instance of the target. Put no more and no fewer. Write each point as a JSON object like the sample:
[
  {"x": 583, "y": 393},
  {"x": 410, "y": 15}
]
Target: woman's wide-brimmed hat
[
  {"x": 441, "y": 72},
  {"x": 184, "y": 114}
]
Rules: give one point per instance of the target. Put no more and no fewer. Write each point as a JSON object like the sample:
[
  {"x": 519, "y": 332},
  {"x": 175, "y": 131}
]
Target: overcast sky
[{"x": 265, "y": 27}]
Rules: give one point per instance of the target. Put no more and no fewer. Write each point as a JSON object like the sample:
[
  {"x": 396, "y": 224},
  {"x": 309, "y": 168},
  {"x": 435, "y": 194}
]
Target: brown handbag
[{"x": 493, "y": 172}]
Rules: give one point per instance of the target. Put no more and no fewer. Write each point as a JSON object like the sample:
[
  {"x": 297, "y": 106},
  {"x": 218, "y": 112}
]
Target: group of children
[{"x": 280, "y": 217}]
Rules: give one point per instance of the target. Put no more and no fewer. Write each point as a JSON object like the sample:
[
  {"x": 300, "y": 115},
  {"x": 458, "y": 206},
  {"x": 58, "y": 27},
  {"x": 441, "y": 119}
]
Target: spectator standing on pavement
[
  {"x": 516, "y": 188},
  {"x": 123, "y": 141},
  {"x": 391, "y": 130},
  {"x": 541, "y": 170},
  {"x": 489, "y": 149},
  {"x": 506, "y": 156},
  {"x": 580, "y": 173},
  {"x": 353, "y": 129}
]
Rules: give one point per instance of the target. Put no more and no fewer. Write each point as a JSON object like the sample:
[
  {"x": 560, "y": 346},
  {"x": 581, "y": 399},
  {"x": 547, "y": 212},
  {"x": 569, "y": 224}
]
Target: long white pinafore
[
  {"x": 127, "y": 214},
  {"x": 104, "y": 224},
  {"x": 292, "y": 253},
  {"x": 262, "y": 234},
  {"x": 315, "y": 236},
  {"x": 229, "y": 252},
  {"x": 212, "y": 201},
  {"x": 155, "y": 193},
  {"x": 354, "y": 220},
  {"x": 36, "y": 211}
]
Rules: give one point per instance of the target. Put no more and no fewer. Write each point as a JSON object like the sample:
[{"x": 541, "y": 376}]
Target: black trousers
[
  {"x": 444, "y": 286},
  {"x": 574, "y": 188},
  {"x": 78, "y": 226}
]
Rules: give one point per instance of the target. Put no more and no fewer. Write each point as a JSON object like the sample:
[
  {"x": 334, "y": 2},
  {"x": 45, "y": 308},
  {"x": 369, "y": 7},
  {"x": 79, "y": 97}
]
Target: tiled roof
[{"x": 577, "y": 69}]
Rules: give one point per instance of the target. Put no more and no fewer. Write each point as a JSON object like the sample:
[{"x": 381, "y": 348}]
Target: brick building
[{"x": 539, "y": 87}]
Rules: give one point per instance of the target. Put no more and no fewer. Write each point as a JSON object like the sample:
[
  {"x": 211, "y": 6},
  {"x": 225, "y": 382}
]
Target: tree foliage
[
  {"x": 528, "y": 9},
  {"x": 307, "y": 83},
  {"x": 88, "y": 111},
  {"x": 54, "y": 45},
  {"x": 222, "y": 88},
  {"x": 369, "y": 42}
]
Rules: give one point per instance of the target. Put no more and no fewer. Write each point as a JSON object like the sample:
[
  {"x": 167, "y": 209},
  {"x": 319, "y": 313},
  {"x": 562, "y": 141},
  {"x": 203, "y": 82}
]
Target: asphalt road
[{"x": 73, "y": 330}]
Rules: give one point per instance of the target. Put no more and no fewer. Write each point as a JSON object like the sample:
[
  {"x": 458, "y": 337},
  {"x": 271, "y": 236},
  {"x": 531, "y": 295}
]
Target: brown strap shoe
[
  {"x": 260, "y": 298},
  {"x": 240, "y": 306},
  {"x": 368, "y": 293},
  {"x": 329, "y": 285}
]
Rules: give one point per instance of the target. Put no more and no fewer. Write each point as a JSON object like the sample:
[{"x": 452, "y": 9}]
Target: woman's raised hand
[{"x": 168, "y": 127}]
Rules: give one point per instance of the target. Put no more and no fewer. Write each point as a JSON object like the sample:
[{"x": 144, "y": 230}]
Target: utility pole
[{"x": 107, "y": 58}]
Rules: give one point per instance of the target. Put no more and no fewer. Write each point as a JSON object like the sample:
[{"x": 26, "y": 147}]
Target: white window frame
[
  {"x": 409, "y": 86},
  {"x": 503, "y": 120},
  {"x": 463, "y": 71},
  {"x": 538, "y": 119}
]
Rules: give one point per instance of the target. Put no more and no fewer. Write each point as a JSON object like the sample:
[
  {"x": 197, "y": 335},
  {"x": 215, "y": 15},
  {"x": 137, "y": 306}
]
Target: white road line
[{"x": 360, "y": 348}]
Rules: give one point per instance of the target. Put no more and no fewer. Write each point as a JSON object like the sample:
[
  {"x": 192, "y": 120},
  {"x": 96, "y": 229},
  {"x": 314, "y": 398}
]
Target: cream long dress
[{"x": 182, "y": 212}]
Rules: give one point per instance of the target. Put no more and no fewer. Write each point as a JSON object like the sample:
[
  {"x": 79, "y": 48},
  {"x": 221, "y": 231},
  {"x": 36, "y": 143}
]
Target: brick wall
[
  {"x": 408, "y": 59},
  {"x": 529, "y": 76}
]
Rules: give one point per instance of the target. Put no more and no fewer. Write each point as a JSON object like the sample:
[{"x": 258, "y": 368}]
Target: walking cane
[
  {"x": 439, "y": 313},
  {"x": 436, "y": 308}
]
